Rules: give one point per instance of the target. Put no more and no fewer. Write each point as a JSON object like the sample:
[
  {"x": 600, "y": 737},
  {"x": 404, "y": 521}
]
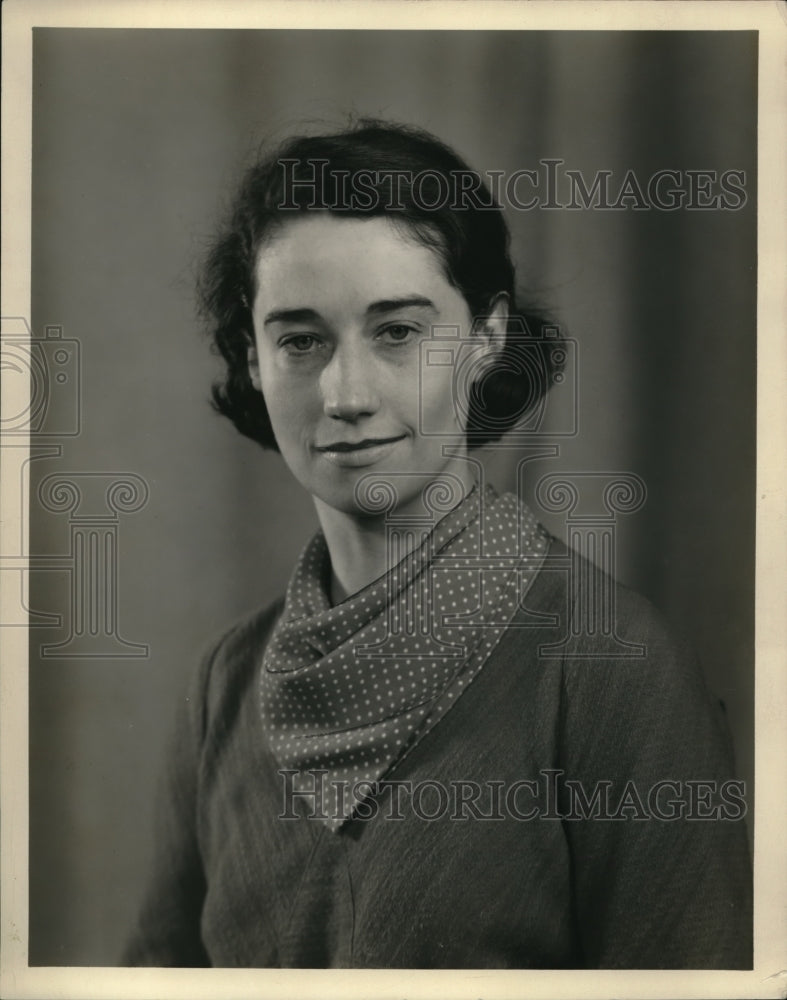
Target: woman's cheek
[
  {"x": 437, "y": 405},
  {"x": 287, "y": 419}
]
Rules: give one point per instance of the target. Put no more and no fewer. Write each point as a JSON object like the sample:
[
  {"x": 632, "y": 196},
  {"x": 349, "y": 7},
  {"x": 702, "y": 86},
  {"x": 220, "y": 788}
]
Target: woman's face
[{"x": 342, "y": 309}]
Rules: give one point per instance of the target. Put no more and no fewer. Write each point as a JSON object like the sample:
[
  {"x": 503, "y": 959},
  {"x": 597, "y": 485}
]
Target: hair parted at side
[{"x": 376, "y": 168}]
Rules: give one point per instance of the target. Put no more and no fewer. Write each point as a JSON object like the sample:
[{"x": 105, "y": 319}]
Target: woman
[{"x": 415, "y": 759}]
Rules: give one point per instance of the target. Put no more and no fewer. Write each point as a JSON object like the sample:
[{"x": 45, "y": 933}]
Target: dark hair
[{"x": 406, "y": 174}]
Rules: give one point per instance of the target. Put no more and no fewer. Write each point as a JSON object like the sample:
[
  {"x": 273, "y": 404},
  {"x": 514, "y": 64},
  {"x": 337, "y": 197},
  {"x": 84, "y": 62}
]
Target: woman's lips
[{"x": 354, "y": 455}]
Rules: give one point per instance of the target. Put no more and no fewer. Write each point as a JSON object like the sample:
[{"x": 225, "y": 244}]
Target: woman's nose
[{"x": 347, "y": 385}]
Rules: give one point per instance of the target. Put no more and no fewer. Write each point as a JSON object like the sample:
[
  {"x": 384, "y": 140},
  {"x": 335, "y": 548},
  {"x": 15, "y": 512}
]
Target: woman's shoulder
[
  {"x": 247, "y": 636},
  {"x": 230, "y": 662},
  {"x": 610, "y": 641},
  {"x": 623, "y": 663},
  {"x": 596, "y": 607}
]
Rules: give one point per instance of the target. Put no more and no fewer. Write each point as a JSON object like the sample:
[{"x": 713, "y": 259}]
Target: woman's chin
[{"x": 373, "y": 498}]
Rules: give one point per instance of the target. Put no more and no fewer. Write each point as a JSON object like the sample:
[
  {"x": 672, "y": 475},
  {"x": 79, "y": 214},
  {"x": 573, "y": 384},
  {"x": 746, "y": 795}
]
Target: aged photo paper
[{"x": 638, "y": 150}]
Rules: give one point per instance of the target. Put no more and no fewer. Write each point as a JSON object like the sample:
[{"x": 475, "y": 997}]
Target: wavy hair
[{"x": 309, "y": 173}]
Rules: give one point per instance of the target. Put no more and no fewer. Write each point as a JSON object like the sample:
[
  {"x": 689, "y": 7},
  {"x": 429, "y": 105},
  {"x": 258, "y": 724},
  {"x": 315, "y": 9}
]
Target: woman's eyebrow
[
  {"x": 291, "y": 316},
  {"x": 306, "y": 315},
  {"x": 391, "y": 305}
]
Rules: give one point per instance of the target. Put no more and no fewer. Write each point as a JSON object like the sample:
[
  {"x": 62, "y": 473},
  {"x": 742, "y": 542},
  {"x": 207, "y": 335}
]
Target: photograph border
[{"x": 769, "y": 976}]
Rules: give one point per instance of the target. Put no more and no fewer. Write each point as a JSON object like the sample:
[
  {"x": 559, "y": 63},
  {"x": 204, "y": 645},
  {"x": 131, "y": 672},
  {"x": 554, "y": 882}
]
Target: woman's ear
[
  {"x": 494, "y": 326},
  {"x": 253, "y": 363}
]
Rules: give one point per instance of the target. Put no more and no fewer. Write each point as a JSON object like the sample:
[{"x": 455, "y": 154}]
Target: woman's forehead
[{"x": 325, "y": 254}]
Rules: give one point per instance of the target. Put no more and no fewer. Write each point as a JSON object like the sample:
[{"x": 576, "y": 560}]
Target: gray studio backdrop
[{"x": 173, "y": 525}]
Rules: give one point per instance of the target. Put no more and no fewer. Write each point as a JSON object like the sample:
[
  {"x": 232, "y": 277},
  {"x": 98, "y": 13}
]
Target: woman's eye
[
  {"x": 398, "y": 333},
  {"x": 300, "y": 343}
]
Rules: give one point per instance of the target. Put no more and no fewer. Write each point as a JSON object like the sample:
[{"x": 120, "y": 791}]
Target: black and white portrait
[{"x": 383, "y": 430}]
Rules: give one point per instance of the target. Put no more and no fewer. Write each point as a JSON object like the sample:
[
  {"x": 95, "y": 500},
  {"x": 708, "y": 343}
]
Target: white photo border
[{"x": 768, "y": 978}]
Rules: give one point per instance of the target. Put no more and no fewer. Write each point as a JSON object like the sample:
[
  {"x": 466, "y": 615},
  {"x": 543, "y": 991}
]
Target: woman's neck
[
  {"x": 357, "y": 548},
  {"x": 358, "y": 545}
]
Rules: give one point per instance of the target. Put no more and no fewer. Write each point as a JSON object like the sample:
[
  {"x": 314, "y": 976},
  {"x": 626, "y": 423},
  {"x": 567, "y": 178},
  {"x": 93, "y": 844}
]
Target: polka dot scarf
[{"x": 350, "y": 689}]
